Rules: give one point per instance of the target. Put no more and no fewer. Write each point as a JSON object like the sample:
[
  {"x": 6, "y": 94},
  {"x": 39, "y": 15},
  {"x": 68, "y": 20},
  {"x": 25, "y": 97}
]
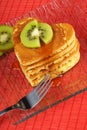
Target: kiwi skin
[{"x": 7, "y": 45}]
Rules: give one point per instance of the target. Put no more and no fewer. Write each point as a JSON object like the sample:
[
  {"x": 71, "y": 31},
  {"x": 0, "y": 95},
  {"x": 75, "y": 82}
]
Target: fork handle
[
  {"x": 15, "y": 106},
  {"x": 6, "y": 110}
]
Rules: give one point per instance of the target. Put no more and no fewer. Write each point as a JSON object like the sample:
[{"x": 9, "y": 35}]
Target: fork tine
[
  {"x": 41, "y": 95},
  {"x": 45, "y": 91},
  {"x": 38, "y": 98},
  {"x": 42, "y": 82},
  {"x": 43, "y": 85},
  {"x": 44, "y": 88}
]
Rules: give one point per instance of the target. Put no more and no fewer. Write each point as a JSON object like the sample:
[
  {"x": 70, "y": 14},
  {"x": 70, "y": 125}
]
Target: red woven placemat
[{"x": 69, "y": 115}]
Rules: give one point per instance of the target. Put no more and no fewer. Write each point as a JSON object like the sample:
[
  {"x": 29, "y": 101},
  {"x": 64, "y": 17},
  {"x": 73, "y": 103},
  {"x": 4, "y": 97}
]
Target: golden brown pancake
[
  {"x": 52, "y": 59},
  {"x": 64, "y": 34},
  {"x": 55, "y": 69},
  {"x": 55, "y": 58},
  {"x": 55, "y": 73}
]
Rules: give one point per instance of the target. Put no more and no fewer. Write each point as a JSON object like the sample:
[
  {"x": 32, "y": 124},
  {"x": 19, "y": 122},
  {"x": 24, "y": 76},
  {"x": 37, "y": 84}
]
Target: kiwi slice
[
  {"x": 6, "y": 42},
  {"x": 46, "y": 32},
  {"x": 30, "y": 35},
  {"x": 33, "y": 32}
]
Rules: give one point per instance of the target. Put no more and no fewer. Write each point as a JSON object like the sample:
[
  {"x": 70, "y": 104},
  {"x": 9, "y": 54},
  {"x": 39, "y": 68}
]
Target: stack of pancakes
[{"x": 55, "y": 58}]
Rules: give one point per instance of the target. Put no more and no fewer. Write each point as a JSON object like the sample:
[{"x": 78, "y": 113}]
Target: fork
[{"x": 33, "y": 98}]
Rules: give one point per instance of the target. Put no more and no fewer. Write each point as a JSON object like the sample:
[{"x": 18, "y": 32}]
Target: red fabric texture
[{"x": 68, "y": 115}]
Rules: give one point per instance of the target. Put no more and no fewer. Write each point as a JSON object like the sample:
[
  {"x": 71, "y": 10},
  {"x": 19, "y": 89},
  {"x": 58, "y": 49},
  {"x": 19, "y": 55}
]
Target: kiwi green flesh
[
  {"x": 6, "y": 42},
  {"x": 27, "y": 37},
  {"x": 6, "y": 46},
  {"x": 46, "y": 32}
]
